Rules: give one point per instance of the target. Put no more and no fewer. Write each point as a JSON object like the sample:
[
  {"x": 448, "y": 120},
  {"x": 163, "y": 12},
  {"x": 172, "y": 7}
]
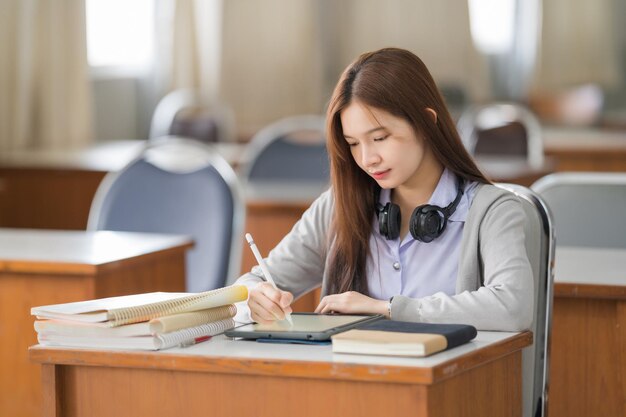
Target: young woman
[{"x": 410, "y": 227}]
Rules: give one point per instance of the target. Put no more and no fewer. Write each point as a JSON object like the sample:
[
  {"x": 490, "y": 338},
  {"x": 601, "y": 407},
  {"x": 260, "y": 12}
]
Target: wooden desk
[
  {"x": 241, "y": 378},
  {"x": 586, "y": 149},
  {"x": 49, "y": 267},
  {"x": 514, "y": 170},
  {"x": 54, "y": 189},
  {"x": 588, "y": 354}
]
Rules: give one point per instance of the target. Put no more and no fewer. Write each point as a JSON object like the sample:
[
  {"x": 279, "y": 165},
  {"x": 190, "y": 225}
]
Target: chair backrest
[
  {"x": 184, "y": 113},
  {"x": 540, "y": 249},
  {"x": 588, "y": 207},
  {"x": 179, "y": 186},
  {"x": 290, "y": 150},
  {"x": 502, "y": 129}
]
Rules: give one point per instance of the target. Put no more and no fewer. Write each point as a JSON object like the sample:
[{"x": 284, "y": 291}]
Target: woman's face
[{"x": 386, "y": 146}]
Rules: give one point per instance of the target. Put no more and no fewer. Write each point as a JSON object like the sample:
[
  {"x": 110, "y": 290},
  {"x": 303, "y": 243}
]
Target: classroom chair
[
  {"x": 292, "y": 149},
  {"x": 184, "y": 113},
  {"x": 502, "y": 129},
  {"x": 184, "y": 187},
  {"x": 540, "y": 248},
  {"x": 588, "y": 207}
]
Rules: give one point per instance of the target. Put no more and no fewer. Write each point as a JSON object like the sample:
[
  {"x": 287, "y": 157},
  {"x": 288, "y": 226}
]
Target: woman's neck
[{"x": 418, "y": 192}]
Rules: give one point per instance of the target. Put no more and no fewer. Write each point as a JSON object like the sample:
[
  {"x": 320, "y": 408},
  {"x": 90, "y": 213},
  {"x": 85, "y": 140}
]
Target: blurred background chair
[
  {"x": 179, "y": 186},
  {"x": 539, "y": 233},
  {"x": 183, "y": 113},
  {"x": 588, "y": 207},
  {"x": 455, "y": 97},
  {"x": 289, "y": 150},
  {"x": 502, "y": 129}
]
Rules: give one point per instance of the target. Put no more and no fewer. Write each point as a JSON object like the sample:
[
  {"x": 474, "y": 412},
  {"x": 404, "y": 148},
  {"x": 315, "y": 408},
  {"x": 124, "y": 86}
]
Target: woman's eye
[
  {"x": 352, "y": 144},
  {"x": 380, "y": 138}
]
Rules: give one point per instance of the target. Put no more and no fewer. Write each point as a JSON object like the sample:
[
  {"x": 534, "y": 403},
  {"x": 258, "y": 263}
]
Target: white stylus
[{"x": 266, "y": 272}]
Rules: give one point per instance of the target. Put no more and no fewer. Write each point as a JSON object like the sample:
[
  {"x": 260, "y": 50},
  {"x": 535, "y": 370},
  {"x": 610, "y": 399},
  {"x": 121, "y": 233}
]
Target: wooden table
[
  {"x": 588, "y": 354},
  {"x": 54, "y": 189},
  {"x": 226, "y": 377},
  {"x": 48, "y": 267},
  {"x": 586, "y": 149},
  {"x": 514, "y": 170}
]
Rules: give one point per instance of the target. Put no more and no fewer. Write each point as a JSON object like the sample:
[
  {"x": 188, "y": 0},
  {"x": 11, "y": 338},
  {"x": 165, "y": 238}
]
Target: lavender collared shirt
[{"x": 405, "y": 266}]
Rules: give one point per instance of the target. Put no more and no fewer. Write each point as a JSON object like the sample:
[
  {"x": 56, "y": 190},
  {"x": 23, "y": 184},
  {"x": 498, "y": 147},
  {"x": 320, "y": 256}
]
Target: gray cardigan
[{"x": 494, "y": 288}]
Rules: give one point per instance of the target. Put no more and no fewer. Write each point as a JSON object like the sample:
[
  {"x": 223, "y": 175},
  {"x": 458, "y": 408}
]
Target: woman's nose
[{"x": 369, "y": 156}]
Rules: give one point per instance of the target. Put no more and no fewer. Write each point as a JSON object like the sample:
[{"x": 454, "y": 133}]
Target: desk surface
[
  {"x": 279, "y": 192},
  {"x": 583, "y": 140},
  {"x": 224, "y": 354},
  {"x": 588, "y": 333},
  {"x": 101, "y": 157},
  {"x": 113, "y": 155},
  {"x": 28, "y": 250},
  {"x": 513, "y": 169},
  {"x": 590, "y": 272}
]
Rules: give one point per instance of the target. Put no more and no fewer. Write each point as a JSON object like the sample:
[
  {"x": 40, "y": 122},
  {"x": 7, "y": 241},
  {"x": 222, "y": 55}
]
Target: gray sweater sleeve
[
  {"x": 297, "y": 262},
  {"x": 502, "y": 293}
]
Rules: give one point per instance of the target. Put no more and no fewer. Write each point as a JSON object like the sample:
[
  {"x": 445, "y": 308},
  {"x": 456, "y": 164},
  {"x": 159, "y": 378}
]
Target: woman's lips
[{"x": 379, "y": 175}]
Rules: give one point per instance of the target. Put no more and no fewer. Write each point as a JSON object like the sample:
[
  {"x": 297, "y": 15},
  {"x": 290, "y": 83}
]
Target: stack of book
[
  {"x": 399, "y": 338},
  {"x": 150, "y": 321}
]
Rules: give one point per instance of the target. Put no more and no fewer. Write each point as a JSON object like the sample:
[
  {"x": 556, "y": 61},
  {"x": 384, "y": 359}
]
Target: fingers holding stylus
[{"x": 268, "y": 304}]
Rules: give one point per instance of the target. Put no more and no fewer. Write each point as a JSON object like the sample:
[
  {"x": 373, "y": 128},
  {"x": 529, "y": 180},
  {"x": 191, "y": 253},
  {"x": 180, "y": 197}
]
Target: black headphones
[{"x": 427, "y": 221}]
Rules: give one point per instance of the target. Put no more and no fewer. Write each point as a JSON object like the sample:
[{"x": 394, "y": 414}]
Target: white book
[
  {"x": 140, "y": 307},
  {"x": 151, "y": 342},
  {"x": 159, "y": 325}
]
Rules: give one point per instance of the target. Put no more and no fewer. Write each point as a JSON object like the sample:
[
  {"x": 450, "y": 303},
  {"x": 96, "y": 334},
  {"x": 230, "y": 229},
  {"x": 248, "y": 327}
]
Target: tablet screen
[
  {"x": 305, "y": 326},
  {"x": 305, "y": 323}
]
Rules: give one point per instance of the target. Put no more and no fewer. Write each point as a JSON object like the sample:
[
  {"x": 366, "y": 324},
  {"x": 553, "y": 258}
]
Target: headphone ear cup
[
  {"x": 427, "y": 223},
  {"x": 389, "y": 221},
  {"x": 394, "y": 221}
]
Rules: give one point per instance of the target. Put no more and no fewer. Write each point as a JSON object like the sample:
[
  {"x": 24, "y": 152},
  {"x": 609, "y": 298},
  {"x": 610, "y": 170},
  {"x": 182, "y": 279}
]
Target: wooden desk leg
[
  {"x": 50, "y": 401},
  {"x": 621, "y": 325}
]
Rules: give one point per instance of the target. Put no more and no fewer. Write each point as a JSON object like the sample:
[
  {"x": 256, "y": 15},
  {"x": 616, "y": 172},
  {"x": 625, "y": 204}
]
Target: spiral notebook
[
  {"x": 181, "y": 337},
  {"x": 117, "y": 311},
  {"x": 158, "y": 325}
]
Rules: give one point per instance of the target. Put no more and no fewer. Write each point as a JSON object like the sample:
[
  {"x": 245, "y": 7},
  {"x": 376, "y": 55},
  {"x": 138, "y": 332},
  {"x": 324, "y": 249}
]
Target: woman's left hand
[{"x": 351, "y": 302}]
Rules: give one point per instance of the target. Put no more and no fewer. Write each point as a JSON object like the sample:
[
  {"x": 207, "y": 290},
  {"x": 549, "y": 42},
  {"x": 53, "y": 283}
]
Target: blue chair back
[
  {"x": 588, "y": 207},
  {"x": 502, "y": 129},
  {"x": 178, "y": 186},
  {"x": 290, "y": 150}
]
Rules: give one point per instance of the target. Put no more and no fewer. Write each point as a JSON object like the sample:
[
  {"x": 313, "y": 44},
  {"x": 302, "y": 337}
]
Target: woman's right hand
[{"x": 268, "y": 304}]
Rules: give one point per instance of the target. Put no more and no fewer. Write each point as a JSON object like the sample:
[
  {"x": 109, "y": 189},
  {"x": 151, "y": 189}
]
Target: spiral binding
[
  {"x": 195, "y": 318},
  {"x": 146, "y": 312},
  {"x": 181, "y": 337}
]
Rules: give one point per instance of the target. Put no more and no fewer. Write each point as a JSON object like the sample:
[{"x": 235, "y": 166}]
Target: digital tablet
[{"x": 306, "y": 326}]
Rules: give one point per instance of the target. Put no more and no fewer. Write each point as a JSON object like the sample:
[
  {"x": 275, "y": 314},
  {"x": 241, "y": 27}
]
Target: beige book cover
[{"x": 376, "y": 342}]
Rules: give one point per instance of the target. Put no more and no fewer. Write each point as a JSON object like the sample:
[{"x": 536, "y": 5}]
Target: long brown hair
[{"x": 398, "y": 82}]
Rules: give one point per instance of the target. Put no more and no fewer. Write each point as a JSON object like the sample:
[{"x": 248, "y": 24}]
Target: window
[{"x": 120, "y": 33}]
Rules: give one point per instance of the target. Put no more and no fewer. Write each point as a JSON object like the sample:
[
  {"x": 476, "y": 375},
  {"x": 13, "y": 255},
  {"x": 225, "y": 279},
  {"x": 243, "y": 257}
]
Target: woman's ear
[{"x": 432, "y": 113}]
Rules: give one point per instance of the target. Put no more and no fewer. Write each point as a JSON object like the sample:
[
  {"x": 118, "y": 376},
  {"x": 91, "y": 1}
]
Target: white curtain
[
  {"x": 188, "y": 46},
  {"x": 271, "y": 66},
  {"x": 579, "y": 45},
  {"x": 282, "y": 58},
  {"x": 45, "y": 99}
]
